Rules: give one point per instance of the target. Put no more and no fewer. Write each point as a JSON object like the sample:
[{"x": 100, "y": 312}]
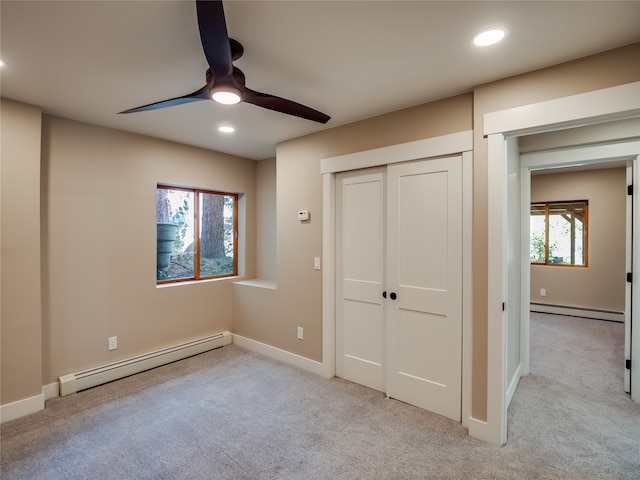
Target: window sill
[
  {"x": 195, "y": 282},
  {"x": 258, "y": 283}
]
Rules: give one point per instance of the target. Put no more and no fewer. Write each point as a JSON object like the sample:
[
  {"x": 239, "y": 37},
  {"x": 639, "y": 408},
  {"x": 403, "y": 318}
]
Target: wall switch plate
[
  {"x": 113, "y": 343},
  {"x": 316, "y": 263},
  {"x": 300, "y": 333}
]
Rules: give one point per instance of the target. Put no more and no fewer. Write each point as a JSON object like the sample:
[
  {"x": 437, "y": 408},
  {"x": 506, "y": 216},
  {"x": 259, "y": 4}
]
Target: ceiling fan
[{"x": 226, "y": 83}]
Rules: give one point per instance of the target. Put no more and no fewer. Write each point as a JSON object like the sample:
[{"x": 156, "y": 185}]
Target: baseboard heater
[
  {"x": 75, "y": 382},
  {"x": 610, "y": 315}
]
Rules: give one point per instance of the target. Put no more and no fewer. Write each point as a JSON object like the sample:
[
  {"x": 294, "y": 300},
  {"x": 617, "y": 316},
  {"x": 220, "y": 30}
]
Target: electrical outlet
[
  {"x": 113, "y": 343},
  {"x": 300, "y": 333},
  {"x": 543, "y": 292}
]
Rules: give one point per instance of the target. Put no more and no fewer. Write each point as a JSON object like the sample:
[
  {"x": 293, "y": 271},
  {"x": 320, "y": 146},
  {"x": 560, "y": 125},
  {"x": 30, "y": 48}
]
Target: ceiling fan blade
[
  {"x": 222, "y": 76},
  {"x": 202, "y": 94},
  {"x": 214, "y": 37},
  {"x": 283, "y": 105}
]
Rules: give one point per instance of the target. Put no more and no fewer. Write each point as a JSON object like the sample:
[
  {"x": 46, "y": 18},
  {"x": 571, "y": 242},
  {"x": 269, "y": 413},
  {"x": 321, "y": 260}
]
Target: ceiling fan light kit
[
  {"x": 226, "y": 97},
  {"x": 225, "y": 82}
]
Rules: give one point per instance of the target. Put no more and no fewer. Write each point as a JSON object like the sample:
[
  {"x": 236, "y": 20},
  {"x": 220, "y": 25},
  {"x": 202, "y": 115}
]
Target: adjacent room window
[
  {"x": 197, "y": 234},
  {"x": 559, "y": 233}
]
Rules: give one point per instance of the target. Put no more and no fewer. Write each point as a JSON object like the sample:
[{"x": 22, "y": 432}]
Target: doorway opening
[
  {"x": 508, "y": 288},
  {"x": 600, "y": 291},
  {"x": 575, "y": 336}
]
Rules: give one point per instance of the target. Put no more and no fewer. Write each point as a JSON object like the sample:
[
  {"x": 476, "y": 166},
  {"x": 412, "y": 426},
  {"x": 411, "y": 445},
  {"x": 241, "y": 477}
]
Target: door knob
[
  {"x": 393, "y": 295},
  {"x": 384, "y": 294}
]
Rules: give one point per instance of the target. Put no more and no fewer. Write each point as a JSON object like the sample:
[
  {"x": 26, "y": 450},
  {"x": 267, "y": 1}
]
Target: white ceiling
[{"x": 87, "y": 60}]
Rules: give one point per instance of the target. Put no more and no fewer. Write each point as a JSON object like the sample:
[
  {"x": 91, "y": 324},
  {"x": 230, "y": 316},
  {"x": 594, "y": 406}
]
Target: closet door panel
[
  {"x": 360, "y": 332},
  {"x": 424, "y": 267}
]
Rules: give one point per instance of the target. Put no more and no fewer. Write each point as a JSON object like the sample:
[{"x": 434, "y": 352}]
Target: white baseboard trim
[
  {"x": 51, "y": 391},
  {"x": 513, "y": 385},
  {"x": 281, "y": 355},
  {"x": 612, "y": 316},
  {"x": 21, "y": 408}
]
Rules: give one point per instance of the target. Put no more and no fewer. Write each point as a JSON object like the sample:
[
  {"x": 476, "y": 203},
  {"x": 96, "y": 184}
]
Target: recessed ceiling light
[
  {"x": 226, "y": 129},
  {"x": 490, "y": 36},
  {"x": 1, "y": 63}
]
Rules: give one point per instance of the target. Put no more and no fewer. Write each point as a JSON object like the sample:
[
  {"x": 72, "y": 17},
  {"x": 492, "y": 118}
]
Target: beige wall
[
  {"x": 266, "y": 219},
  {"x": 98, "y": 244},
  {"x": 602, "y": 284},
  {"x": 272, "y": 316},
  {"x": 20, "y": 290}
]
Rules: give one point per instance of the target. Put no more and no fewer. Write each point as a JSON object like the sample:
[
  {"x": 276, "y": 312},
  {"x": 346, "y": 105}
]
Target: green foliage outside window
[{"x": 558, "y": 233}]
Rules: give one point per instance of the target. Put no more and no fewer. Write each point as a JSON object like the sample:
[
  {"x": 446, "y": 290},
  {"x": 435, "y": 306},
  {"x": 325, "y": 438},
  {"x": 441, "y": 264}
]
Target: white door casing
[
  {"x": 629, "y": 268},
  {"x": 635, "y": 288}
]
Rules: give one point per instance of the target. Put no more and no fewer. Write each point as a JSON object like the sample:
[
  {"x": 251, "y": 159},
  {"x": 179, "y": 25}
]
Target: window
[
  {"x": 196, "y": 234},
  {"x": 559, "y": 233}
]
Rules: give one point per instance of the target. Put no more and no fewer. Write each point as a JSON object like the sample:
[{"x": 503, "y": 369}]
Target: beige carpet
[{"x": 232, "y": 414}]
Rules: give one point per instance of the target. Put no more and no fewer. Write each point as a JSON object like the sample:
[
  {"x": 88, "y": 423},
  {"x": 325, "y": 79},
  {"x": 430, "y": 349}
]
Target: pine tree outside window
[{"x": 196, "y": 234}]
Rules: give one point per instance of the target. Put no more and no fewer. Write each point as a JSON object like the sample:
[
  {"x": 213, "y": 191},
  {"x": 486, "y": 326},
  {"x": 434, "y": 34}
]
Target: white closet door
[
  {"x": 360, "y": 342},
  {"x": 424, "y": 273}
]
